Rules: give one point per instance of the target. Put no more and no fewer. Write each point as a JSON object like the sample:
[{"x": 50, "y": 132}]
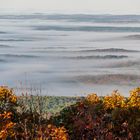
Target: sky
[{"x": 75, "y": 6}]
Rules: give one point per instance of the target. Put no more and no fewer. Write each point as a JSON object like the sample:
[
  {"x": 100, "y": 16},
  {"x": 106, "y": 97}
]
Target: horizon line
[
  {"x": 69, "y": 13},
  {"x": 63, "y": 12}
]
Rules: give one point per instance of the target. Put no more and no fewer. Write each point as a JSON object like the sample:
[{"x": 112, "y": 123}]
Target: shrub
[
  {"x": 92, "y": 98},
  {"x": 113, "y": 101},
  {"x": 109, "y": 118},
  {"x": 101, "y": 118},
  {"x": 7, "y": 110},
  {"x": 134, "y": 99}
]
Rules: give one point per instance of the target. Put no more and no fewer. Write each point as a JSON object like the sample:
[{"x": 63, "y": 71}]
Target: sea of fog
[{"x": 70, "y": 54}]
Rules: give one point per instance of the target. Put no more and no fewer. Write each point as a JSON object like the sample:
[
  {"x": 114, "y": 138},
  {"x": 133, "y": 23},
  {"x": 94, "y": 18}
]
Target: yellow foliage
[
  {"x": 6, "y": 124},
  {"x": 115, "y": 100},
  {"x": 134, "y": 99},
  {"x": 6, "y": 94},
  {"x": 93, "y": 98}
]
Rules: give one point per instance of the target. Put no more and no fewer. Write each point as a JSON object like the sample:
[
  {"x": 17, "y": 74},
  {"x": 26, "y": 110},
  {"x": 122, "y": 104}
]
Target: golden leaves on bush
[
  {"x": 134, "y": 99},
  {"x": 93, "y": 98},
  {"x": 117, "y": 100},
  {"x": 52, "y": 132},
  {"x": 6, "y": 94},
  {"x": 6, "y": 125},
  {"x": 114, "y": 100},
  {"x": 58, "y": 133}
]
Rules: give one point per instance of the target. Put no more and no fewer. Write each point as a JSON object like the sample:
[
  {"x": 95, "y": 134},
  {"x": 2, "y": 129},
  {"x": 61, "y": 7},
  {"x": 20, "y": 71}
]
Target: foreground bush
[
  {"x": 19, "y": 123},
  {"x": 7, "y": 109},
  {"x": 6, "y": 126},
  {"x": 112, "y": 117}
]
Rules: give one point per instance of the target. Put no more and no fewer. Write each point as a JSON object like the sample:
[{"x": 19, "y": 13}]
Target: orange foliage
[{"x": 6, "y": 125}]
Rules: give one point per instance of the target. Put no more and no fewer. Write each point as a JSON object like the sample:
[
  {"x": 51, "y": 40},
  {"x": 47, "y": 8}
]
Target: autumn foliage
[
  {"x": 24, "y": 125},
  {"x": 7, "y": 104},
  {"x": 112, "y": 117}
]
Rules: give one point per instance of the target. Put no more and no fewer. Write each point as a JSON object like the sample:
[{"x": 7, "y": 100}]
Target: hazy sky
[{"x": 94, "y": 6}]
